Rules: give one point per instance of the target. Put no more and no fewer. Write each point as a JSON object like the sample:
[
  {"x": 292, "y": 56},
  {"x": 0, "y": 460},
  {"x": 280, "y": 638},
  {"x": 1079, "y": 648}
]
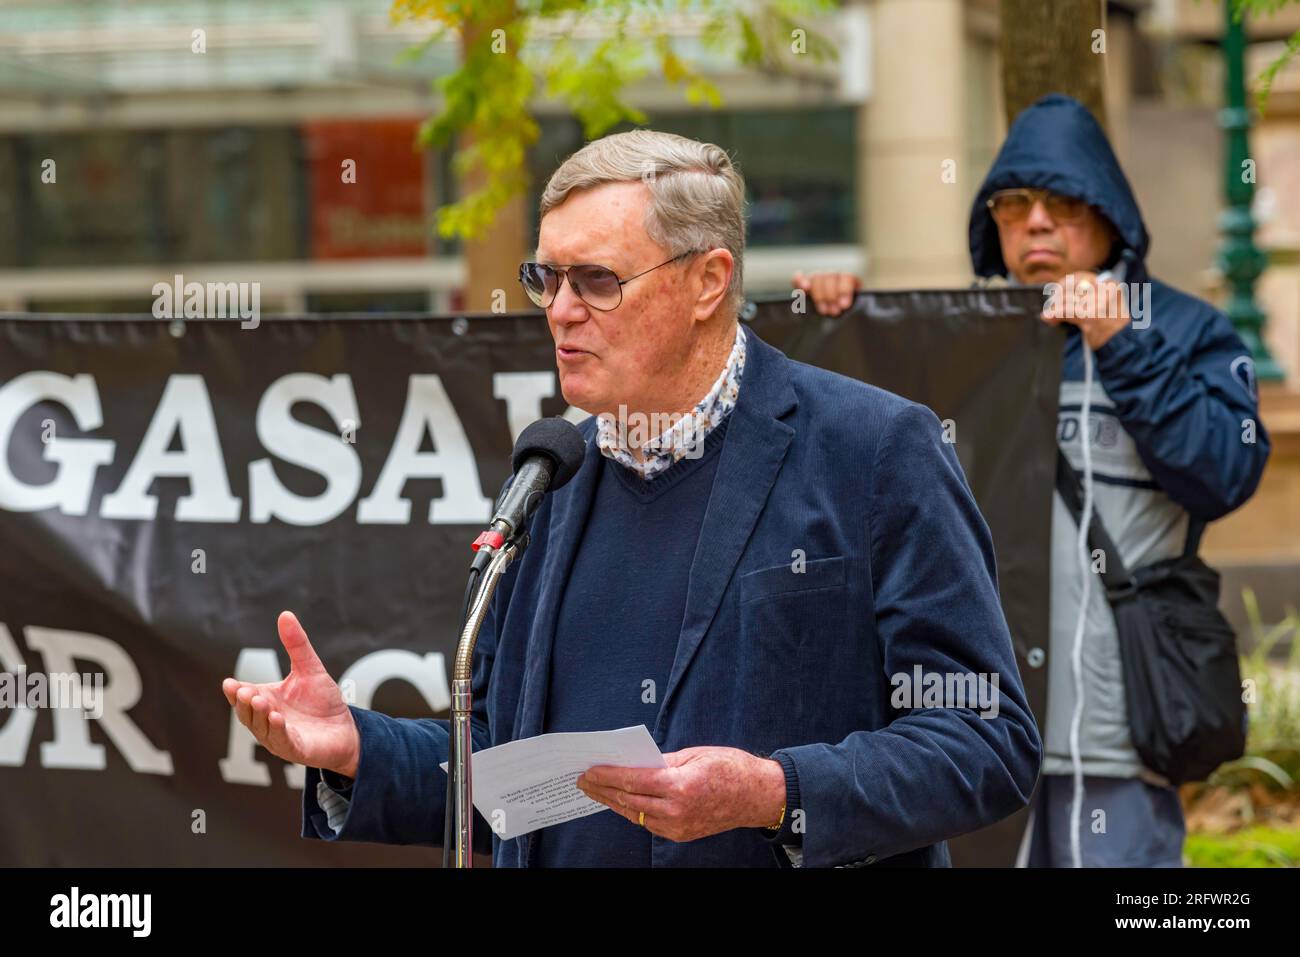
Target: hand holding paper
[{"x": 521, "y": 786}]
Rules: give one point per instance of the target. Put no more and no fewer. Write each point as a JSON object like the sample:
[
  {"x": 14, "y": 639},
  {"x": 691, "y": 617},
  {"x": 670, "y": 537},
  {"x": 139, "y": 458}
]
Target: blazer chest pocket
[
  {"x": 792, "y": 577},
  {"x": 790, "y": 617}
]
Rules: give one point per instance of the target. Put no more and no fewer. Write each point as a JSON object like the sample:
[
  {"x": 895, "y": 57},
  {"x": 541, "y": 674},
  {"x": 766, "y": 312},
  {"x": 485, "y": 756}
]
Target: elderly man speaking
[{"x": 790, "y": 586}]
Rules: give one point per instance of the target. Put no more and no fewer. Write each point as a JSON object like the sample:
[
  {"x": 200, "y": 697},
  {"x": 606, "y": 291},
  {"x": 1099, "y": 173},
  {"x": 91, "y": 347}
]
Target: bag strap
[{"x": 1118, "y": 580}]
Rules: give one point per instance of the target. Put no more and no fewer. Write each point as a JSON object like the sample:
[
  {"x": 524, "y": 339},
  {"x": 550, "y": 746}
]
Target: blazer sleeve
[
  {"x": 399, "y": 794},
  {"x": 1195, "y": 423},
  {"x": 932, "y": 773}
]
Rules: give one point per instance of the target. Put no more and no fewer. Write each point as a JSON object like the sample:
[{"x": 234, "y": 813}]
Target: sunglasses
[
  {"x": 597, "y": 286},
  {"x": 1013, "y": 205}
]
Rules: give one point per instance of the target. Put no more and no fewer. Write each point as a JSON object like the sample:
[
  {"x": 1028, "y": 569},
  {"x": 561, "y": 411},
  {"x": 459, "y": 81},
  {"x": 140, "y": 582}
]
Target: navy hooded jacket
[{"x": 1173, "y": 430}]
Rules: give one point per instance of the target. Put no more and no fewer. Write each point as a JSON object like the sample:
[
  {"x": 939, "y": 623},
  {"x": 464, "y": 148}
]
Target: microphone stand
[
  {"x": 495, "y": 548},
  {"x": 458, "y": 835}
]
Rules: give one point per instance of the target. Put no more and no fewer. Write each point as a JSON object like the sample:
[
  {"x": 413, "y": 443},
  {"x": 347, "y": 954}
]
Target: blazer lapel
[
  {"x": 570, "y": 508},
  {"x": 751, "y": 457}
]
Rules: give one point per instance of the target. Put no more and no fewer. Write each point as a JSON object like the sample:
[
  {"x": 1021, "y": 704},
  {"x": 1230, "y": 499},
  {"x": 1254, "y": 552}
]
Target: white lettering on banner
[
  {"x": 523, "y": 393},
  {"x": 322, "y": 452},
  {"x": 77, "y": 459},
  {"x": 184, "y": 408},
  {"x": 185, "y": 412},
  {"x": 428, "y": 408},
  {"x": 119, "y": 689},
  {"x": 72, "y": 747}
]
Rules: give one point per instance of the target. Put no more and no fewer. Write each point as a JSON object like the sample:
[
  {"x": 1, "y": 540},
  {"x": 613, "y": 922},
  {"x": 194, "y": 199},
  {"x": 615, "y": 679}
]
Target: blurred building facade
[
  {"x": 229, "y": 161},
  {"x": 126, "y": 157}
]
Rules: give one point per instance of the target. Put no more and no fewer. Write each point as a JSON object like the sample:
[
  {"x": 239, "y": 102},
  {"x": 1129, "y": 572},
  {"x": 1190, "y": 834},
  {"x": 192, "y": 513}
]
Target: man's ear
[{"x": 715, "y": 276}]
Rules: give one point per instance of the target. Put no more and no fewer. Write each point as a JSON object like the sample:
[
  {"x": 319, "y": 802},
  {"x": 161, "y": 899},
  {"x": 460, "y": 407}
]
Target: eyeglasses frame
[
  {"x": 563, "y": 273},
  {"x": 1037, "y": 194}
]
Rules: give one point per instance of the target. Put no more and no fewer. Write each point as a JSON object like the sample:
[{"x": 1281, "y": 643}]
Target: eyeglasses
[
  {"x": 1013, "y": 205},
  {"x": 597, "y": 286}
]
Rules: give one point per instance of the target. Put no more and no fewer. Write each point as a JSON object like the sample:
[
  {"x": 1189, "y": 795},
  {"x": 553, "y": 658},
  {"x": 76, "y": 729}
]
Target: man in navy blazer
[{"x": 791, "y": 585}]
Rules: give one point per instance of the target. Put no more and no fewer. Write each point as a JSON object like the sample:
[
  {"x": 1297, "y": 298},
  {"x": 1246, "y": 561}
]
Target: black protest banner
[{"x": 167, "y": 488}]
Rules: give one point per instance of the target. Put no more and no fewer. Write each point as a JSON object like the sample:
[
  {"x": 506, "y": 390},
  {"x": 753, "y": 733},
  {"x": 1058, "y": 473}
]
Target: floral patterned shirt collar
[{"x": 686, "y": 433}]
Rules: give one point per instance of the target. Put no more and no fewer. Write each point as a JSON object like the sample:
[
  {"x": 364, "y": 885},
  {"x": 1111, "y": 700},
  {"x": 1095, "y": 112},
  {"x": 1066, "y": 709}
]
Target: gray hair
[{"x": 697, "y": 198}]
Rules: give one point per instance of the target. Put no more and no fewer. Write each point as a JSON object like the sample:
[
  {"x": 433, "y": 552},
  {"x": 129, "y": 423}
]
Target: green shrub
[
  {"x": 1273, "y": 696},
  {"x": 1252, "y": 847}
]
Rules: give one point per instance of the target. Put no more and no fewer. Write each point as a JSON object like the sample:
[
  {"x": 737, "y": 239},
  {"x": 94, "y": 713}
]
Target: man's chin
[
  {"x": 1037, "y": 274},
  {"x": 580, "y": 395}
]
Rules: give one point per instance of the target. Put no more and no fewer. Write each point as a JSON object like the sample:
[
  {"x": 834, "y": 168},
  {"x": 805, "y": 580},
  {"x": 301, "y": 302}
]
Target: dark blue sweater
[{"x": 616, "y": 636}]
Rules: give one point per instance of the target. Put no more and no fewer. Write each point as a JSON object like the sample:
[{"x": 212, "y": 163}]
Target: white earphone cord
[{"x": 1085, "y": 569}]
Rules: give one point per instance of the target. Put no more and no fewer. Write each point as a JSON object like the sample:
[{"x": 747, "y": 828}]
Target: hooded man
[{"x": 1175, "y": 443}]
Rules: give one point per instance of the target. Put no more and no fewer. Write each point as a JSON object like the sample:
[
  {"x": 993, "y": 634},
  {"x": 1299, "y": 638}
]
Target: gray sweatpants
[{"x": 1123, "y": 822}]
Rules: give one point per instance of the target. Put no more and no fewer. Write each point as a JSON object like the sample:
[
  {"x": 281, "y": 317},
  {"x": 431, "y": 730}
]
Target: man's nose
[
  {"x": 1039, "y": 219},
  {"x": 566, "y": 307}
]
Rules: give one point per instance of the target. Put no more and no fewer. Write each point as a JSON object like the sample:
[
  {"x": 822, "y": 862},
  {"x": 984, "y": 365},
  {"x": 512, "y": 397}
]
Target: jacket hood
[{"x": 1056, "y": 144}]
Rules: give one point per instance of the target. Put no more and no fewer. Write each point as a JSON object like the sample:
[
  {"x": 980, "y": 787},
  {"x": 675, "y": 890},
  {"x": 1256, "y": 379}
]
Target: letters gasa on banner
[{"x": 51, "y": 417}]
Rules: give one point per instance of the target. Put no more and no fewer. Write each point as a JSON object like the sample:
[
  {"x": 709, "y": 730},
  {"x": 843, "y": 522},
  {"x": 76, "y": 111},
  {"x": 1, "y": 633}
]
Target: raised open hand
[{"x": 303, "y": 718}]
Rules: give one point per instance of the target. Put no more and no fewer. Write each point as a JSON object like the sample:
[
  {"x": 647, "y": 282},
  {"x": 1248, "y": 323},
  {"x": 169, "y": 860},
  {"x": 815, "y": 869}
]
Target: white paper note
[{"x": 521, "y": 786}]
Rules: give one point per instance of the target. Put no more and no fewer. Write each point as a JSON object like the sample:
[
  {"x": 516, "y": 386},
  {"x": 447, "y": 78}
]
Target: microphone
[{"x": 548, "y": 453}]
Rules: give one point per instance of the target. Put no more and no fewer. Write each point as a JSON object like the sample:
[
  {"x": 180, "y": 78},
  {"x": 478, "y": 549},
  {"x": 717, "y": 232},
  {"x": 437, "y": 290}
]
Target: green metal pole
[{"x": 1239, "y": 259}]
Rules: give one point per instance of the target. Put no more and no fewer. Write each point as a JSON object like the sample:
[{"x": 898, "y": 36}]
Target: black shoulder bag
[{"x": 1182, "y": 680}]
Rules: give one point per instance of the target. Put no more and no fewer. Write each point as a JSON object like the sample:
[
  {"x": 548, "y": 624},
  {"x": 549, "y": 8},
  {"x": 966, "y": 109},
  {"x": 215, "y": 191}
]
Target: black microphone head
[{"x": 559, "y": 440}]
